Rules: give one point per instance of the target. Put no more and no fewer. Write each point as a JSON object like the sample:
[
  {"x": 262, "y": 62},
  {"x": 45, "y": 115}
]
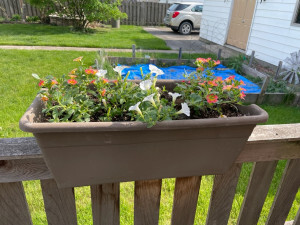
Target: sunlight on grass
[{"x": 48, "y": 35}]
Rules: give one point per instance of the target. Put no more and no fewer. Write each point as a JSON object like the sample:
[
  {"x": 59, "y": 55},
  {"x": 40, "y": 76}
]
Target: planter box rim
[{"x": 37, "y": 127}]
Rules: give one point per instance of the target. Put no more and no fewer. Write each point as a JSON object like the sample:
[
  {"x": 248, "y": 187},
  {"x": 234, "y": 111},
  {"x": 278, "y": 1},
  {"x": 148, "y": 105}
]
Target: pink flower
[
  {"x": 212, "y": 98},
  {"x": 242, "y": 95},
  {"x": 227, "y": 87},
  {"x": 41, "y": 83},
  {"x": 212, "y": 83},
  {"x": 54, "y": 82}
]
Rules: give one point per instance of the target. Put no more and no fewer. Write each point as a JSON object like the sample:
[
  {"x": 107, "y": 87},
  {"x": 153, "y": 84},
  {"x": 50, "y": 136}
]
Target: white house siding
[
  {"x": 273, "y": 37},
  {"x": 215, "y": 20}
]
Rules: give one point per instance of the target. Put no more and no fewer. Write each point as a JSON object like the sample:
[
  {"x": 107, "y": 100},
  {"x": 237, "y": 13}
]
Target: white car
[{"x": 184, "y": 17}]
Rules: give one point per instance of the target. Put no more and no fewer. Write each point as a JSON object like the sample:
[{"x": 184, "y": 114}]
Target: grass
[
  {"x": 48, "y": 35},
  {"x": 18, "y": 89}
]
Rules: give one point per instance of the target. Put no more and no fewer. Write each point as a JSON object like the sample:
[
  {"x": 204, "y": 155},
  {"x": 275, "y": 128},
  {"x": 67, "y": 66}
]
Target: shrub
[
  {"x": 32, "y": 19},
  {"x": 16, "y": 17},
  {"x": 236, "y": 62}
]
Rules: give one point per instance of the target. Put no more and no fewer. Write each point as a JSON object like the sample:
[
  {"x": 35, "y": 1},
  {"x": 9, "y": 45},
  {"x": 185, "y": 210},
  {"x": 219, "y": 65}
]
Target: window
[
  {"x": 297, "y": 14},
  {"x": 197, "y": 8},
  {"x": 182, "y": 7}
]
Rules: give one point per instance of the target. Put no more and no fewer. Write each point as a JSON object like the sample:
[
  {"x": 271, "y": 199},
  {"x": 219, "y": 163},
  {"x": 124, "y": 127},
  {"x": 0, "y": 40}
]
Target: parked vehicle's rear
[{"x": 184, "y": 17}]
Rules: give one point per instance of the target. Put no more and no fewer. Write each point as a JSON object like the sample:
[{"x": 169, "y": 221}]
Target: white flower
[
  {"x": 174, "y": 96},
  {"x": 101, "y": 73},
  {"x": 136, "y": 108},
  {"x": 149, "y": 98},
  {"x": 185, "y": 109},
  {"x": 145, "y": 85},
  {"x": 155, "y": 70},
  {"x": 119, "y": 69}
]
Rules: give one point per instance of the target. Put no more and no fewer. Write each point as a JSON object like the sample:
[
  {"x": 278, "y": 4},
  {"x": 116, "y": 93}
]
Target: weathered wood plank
[
  {"x": 59, "y": 203},
  {"x": 185, "y": 200},
  {"x": 285, "y": 195},
  {"x": 222, "y": 196},
  {"x": 257, "y": 191},
  {"x": 147, "y": 202},
  {"x": 297, "y": 219},
  {"x": 23, "y": 169},
  {"x": 13, "y": 205},
  {"x": 106, "y": 204}
]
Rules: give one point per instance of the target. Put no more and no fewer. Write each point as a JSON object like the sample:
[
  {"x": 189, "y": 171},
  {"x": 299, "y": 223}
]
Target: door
[{"x": 240, "y": 24}]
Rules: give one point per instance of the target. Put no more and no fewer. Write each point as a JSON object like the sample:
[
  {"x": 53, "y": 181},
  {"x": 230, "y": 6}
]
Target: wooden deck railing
[{"x": 21, "y": 160}]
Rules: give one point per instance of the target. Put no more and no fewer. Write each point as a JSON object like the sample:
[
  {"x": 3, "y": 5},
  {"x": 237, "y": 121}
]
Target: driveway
[{"x": 177, "y": 40}]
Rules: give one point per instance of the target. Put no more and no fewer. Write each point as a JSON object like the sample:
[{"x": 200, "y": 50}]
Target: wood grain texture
[
  {"x": 23, "y": 169},
  {"x": 286, "y": 192},
  {"x": 59, "y": 204},
  {"x": 13, "y": 205},
  {"x": 297, "y": 219},
  {"x": 106, "y": 204},
  {"x": 256, "y": 193},
  {"x": 185, "y": 200},
  {"x": 147, "y": 202},
  {"x": 222, "y": 196}
]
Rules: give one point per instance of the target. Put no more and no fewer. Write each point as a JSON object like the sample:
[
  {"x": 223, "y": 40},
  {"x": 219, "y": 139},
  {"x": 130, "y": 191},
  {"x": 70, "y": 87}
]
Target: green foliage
[
  {"x": 2, "y": 19},
  {"x": 235, "y": 62},
  {"x": 32, "y": 19},
  {"x": 16, "y": 17},
  {"x": 206, "y": 94},
  {"x": 278, "y": 86},
  {"x": 82, "y": 11}
]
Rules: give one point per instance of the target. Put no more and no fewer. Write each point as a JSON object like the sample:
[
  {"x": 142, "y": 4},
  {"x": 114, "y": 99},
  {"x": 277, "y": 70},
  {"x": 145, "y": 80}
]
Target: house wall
[
  {"x": 215, "y": 20},
  {"x": 273, "y": 36}
]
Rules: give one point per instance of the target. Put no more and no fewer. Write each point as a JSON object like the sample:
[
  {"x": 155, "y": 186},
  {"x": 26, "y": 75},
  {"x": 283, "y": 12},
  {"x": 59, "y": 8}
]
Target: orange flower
[
  {"x": 242, "y": 89},
  {"x": 218, "y": 79},
  {"x": 44, "y": 98},
  {"x": 72, "y": 76},
  {"x": 242, "y": 82},
  {"x": 72, "y": 81},
  {"x": 93, "y": 81},
  {"x": 115, "y": 81},
  {"x": 41, "y": 83},
  {"x": 54, "y": 82},
  {"x": 105, "y": 81},
  {"x": 90, "y": 71},
  {"x": 73, "y": 71},
  {"x": 200, "y": 69},
  {"x": 202, "y": 84},
  {"x": 229, "y": 79},
  {"x": 212, "y": 98},
  {"x": 227, "y": 87},
  {"x": 103, "y": 92},
  {"x": 212, "y": 83},
  {"x": 78, "y": 59},
  {"x": 242, "y": 95}
]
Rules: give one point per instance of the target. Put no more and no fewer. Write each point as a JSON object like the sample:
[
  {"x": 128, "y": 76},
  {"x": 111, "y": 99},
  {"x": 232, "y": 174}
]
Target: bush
[
  {"x": 90, "y": 10},
  {"x": 32, "y": 19},
  {"x": 236, "y": 62},
  {"x": 16, "y": 17}
]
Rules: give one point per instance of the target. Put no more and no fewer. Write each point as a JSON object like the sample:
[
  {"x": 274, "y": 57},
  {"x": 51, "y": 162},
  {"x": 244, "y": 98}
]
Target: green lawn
[
  {"x": 48, "y": 35},
  {"x": 18, "y": 89}
]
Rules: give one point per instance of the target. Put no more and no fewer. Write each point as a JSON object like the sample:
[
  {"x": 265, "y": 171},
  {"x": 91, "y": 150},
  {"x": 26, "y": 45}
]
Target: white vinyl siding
[
  {"x": 274, "y": 36},
  {"x": 215, "y": 20}
]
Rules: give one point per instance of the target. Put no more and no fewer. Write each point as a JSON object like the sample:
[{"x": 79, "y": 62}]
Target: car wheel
[
  {"x": 185, "y": 28},
  {"x": 174, "y": 29}
]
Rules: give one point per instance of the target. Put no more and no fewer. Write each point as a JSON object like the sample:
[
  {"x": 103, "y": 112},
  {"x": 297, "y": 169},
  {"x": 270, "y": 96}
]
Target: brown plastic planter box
[{"x": 104, "y": 152}]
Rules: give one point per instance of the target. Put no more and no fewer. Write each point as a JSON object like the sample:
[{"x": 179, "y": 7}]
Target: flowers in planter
[{"x": 86, "y": 95}]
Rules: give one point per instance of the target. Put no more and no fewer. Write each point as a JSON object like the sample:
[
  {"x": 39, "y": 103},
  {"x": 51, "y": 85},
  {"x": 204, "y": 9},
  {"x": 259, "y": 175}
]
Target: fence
[
  {"x": 8, "y": 8},
  {"x": 139, "y": 13},
  {"x": 20, "y": 160},
  {"x": 144, "y": 13}
]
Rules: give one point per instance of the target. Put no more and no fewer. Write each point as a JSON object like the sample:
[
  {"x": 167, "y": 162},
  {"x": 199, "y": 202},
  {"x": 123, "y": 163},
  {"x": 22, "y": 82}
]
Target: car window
[
  {"x": 173, "y": 7},
  {"x": 182, "y": 7},
  {"x": 197, "y": 8}
]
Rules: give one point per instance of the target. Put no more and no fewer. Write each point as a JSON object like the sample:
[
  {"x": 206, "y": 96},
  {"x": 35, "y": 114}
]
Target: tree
[{"x": 82, "y": 12}]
